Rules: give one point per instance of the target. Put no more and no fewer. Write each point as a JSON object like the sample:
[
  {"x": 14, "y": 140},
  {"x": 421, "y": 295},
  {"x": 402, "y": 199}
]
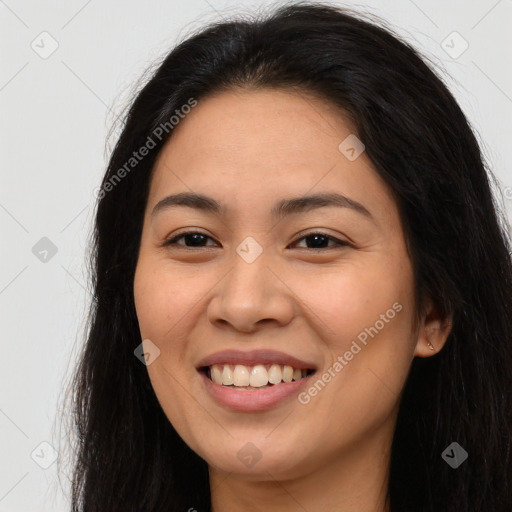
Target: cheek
[
  {"x": 163, "y": 299},
  {"x": 354, "y": 297},
  {"x": 159, "y": 307},
  {"x": 165, "y": 313},
  {"x": 365, "y": 314}
]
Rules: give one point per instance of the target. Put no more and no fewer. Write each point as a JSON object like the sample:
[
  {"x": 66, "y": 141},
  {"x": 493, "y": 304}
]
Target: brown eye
[
  {"x": 195, "y": 238},
  {"x": 318, "y": 241}
]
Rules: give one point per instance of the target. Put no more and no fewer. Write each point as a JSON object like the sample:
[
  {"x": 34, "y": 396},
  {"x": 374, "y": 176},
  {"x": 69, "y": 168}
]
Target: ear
[{"x": 433, "y": 331}]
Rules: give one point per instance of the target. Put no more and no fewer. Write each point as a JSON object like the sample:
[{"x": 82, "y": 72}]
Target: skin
[{"x": 248, "y": 149}]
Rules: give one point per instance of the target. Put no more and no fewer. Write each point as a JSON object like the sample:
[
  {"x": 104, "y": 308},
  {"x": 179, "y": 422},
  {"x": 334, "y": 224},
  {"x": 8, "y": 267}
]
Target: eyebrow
[{"x": 283, "y": 208}]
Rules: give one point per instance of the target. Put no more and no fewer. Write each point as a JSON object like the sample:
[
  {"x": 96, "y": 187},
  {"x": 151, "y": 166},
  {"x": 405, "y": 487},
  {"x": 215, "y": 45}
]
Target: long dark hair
[{"x": 128, "y": 455}]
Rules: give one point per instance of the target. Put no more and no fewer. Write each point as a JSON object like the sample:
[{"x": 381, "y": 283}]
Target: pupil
[
  {"x": 316, "y": 238},
  {"x": 196, "y": 237}
]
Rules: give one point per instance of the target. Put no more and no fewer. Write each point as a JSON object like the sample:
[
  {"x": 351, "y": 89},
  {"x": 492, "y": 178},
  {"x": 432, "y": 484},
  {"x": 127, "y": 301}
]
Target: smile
[
  {"x": 254, "y": 377},
  {"x": 256, "y": 380}
]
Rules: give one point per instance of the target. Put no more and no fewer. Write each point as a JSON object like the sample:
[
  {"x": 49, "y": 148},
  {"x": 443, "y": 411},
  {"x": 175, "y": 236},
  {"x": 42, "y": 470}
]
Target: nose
[{"x": 250, "y": 296}]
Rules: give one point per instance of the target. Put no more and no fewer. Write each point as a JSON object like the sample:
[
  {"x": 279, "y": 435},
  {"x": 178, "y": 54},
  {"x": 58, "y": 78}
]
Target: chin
[{"x": 255, "y": 460}]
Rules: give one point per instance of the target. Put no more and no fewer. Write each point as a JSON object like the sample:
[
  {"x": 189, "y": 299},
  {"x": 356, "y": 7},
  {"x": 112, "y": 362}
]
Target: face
[{"x": 323, "y": 286}]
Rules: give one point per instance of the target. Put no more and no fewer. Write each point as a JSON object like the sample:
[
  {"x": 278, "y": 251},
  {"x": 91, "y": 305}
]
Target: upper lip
[{"x": 253, "y": 357}]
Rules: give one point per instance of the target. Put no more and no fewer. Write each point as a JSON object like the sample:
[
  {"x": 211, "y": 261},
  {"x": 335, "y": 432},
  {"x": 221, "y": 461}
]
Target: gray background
[{"x": 57, "y": 110}]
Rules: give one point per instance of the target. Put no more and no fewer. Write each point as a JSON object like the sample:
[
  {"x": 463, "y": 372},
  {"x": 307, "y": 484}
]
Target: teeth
[
  {"x": 275, "y": 374},
  {"x": 227, "y": 376},
  {"x": 287, "y": 373},
  {"x": 259, "y": 376},
  {"x": 216, "y": 374},
  {"x": 241, "y": 375},
  {"x": 256, "y": 377}
]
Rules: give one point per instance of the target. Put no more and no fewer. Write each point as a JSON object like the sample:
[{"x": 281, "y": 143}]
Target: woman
[{"x": 302, "y": 285}]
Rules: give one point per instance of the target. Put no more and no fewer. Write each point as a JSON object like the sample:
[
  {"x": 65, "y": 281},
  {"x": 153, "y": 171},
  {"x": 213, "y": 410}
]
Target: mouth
[{"x": 254, "y": 377}]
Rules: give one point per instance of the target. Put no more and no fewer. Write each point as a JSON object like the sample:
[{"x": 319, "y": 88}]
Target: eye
[
  {"x": 319, "y": 239},
  {"x": 197, "y": 239}
]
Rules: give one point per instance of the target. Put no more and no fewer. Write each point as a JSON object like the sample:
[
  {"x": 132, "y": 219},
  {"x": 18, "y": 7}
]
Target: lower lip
[{"x": 253, "y": 400}]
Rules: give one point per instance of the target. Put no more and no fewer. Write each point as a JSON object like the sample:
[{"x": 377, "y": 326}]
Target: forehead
[
  {"x": 271, "y": 125},
  {"x": 249, "y": 147}
]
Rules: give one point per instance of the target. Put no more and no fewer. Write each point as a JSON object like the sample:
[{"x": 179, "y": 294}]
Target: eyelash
[{"x": 340, "y": 243}]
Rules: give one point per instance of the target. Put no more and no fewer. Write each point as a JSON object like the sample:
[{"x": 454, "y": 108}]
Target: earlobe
[{"x": 433, "y": 332}]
